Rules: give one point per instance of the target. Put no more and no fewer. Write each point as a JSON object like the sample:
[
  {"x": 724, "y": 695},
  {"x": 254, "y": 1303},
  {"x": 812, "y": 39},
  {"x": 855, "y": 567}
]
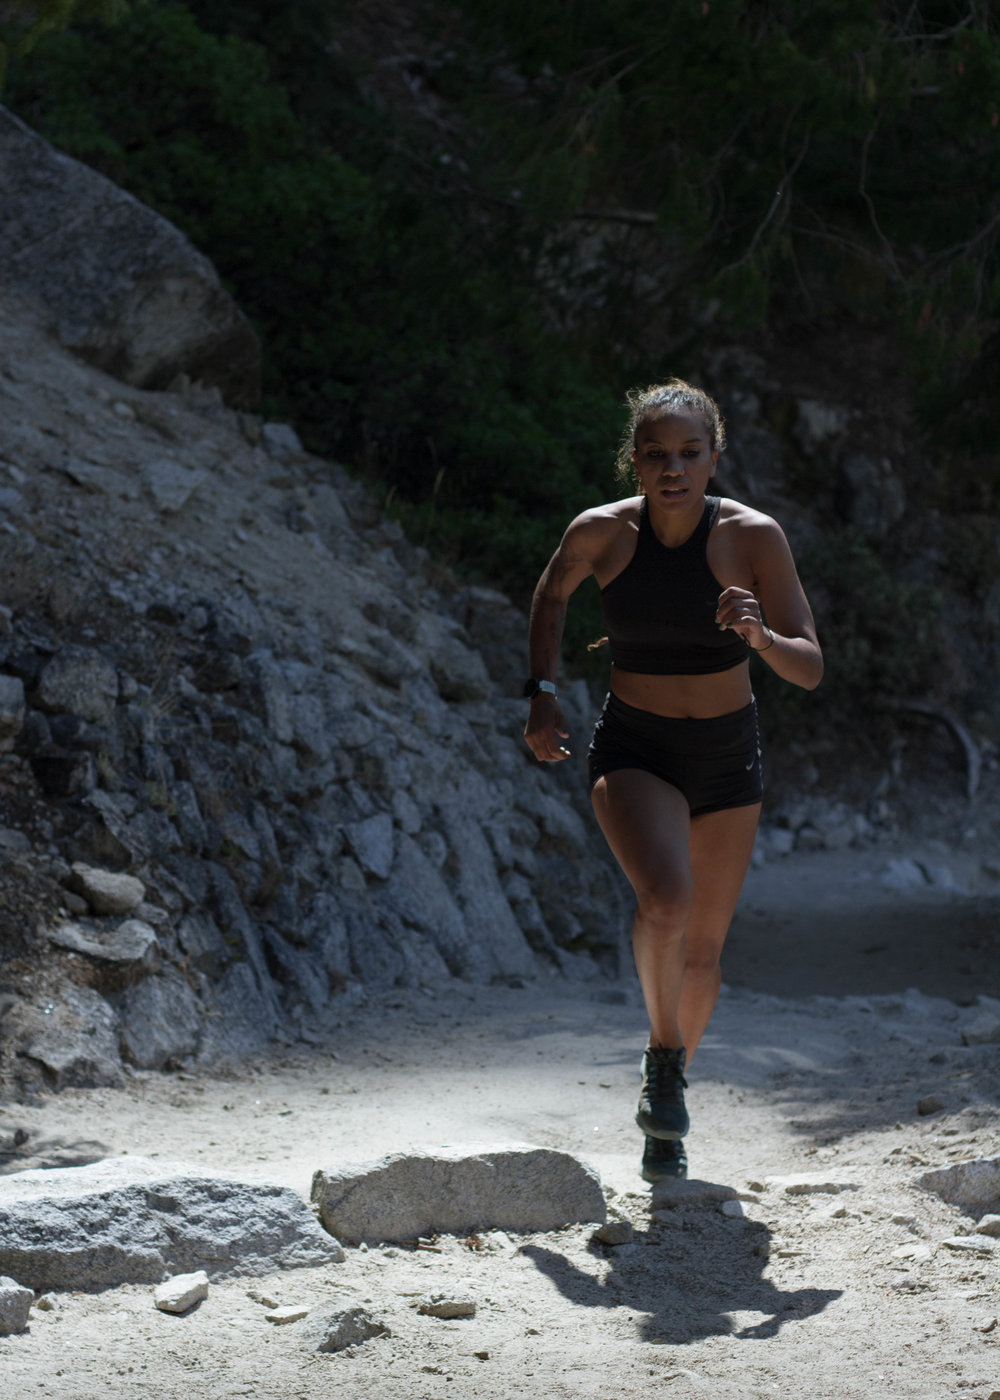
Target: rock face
[
  {"x": 129, "y": 1220},
  {"x": 265, "y": 755},
  {"x": 124, "y": 289},
  {"x": 404, "y": 1196}
]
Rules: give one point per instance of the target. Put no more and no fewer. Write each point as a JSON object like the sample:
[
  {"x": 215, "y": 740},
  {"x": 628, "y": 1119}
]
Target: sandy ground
[{"x": 846, "y": 1292}]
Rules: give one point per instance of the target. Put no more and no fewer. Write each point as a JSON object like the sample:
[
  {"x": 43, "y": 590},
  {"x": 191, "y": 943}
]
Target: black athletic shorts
[{"x": 714, "y": 762}]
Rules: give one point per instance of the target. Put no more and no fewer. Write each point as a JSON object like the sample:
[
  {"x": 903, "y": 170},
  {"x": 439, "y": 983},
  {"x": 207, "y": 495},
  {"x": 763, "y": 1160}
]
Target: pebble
[
  {"x": 439, "y": 1306},
  {"x": 984, "y": 1030},
  {"x": 265, "y": 1299},
  {"x": 929, "y": 1104},
  {"x": 181, "y": 1292},
  {"x": 732, "y": 1209},
  {"x": 811, "y": 1183},
  {"x": 989, "y": 1225},
  {"x": 15, "y": 1305},
  {"x": 972, "y": 1244},
  {"x": 292, "y": 1313},
  {"x": 615, "y": 1232}
]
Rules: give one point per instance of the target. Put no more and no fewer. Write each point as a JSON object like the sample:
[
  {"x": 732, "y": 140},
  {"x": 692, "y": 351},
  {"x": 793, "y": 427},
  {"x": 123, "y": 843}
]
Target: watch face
[{"x": 530, "y": 688}]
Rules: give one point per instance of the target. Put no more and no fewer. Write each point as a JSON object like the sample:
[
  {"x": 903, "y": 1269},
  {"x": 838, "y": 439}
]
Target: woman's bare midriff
[{"x": 685, "y": 697}]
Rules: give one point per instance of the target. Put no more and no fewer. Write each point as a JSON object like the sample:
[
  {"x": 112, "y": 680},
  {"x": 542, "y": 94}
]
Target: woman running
[{"x": 687, "y": 581}]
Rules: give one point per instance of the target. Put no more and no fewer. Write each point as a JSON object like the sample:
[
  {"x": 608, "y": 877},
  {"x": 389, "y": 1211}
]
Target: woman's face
[{"x": 673, "y": 458}]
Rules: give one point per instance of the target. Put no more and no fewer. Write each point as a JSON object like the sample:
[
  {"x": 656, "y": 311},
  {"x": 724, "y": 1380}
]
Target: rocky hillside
[{"x": 259, "y": 752}]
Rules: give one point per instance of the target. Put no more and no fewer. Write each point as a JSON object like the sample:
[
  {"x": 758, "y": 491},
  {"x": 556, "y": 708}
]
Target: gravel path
[{"x": 837, "y": 1286}]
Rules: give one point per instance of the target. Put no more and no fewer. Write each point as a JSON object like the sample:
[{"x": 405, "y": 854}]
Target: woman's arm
[
  {"x": 787, "y": 640},
  {"x": 565, "y": 571}
]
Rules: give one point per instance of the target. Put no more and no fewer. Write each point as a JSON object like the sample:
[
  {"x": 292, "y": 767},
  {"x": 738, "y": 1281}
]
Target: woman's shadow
[{"x": 687, "y": 1272}]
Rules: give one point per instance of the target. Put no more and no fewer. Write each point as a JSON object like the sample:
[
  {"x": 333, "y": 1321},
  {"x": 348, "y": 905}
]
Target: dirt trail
[{"x": 848, "y": 1294}]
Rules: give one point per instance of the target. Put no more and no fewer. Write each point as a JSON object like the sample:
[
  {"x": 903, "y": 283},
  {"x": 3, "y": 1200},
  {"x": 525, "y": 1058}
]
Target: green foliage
[
  {"x": 464, "y": 233},
  {"x": 23, "y": 23}
]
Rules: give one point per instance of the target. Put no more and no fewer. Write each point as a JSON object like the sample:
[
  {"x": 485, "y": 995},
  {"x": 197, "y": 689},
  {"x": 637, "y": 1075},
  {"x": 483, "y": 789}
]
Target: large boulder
[
  {"x": 131, "y": 1220},
  {"x": 453, "y": 1191},
  {"x": 125, "y": 290}
]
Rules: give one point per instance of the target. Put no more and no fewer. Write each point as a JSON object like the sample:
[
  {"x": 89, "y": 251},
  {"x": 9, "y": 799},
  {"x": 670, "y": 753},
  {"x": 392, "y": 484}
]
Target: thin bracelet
[{"x": 770, "y": 643}]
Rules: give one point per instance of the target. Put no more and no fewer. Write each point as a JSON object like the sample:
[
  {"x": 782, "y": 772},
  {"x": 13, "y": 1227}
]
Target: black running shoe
[
  {"x": 661, "y": 1112},
  {"x": 664, "y": 1159}
]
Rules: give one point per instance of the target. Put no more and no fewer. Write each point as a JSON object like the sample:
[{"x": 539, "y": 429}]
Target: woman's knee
[{"x": 666, "y": 906}]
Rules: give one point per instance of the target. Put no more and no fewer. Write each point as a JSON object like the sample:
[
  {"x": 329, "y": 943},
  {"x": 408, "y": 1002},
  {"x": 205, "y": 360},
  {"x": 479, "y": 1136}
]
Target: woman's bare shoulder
[
  {"x": 746, "y": 520},
  {"x": 592, "y": 530}
]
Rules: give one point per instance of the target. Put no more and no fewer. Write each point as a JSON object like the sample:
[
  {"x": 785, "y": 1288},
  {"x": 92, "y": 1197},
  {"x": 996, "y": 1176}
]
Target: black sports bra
[{"x": 659, "y": 612}]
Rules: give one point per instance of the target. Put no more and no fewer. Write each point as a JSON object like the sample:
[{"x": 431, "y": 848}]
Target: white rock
[
  {"x": 107, "y": 891},
  {"x": 15, "y": 1304},
  {"x": 442, "y": 1306},
  {"x": 733, "y": 1209},
  {"x": 989, "y": 1225},
  {"x": 291, "y": 1313},
  {"x": 456, "y": 1190},
  {"x": 972, "y": 1244},
  {"x": 182, "y": 1292},
  {"x": 335, "y": 1331},
  {"x": 915, "y": 1253},
  {"x": 973, "y": 1186}
]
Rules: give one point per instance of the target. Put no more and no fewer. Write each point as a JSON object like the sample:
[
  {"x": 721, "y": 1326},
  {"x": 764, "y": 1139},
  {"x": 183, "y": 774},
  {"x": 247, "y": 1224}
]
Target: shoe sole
[{"x": 653, "y": 1178}]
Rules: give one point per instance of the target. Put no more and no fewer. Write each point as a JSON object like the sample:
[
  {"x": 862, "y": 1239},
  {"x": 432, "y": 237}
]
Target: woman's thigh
[
  {"x": 720, "y": 846},
  {"x": 647, "y": 824}
]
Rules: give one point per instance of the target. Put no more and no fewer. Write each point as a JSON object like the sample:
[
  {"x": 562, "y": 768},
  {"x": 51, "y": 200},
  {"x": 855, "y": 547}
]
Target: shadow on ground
[{"x": 693, "y": 1273}]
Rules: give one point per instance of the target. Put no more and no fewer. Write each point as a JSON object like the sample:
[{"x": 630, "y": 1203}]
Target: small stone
[
  {"x": 809, "y": 1183},
  {"x": 615, "y": 1232},
  {"x": 915, "y": 1253},
  {"x": 989, "y": 1225},
  {"x": 264, "y": 1299},
  {"x": 929, "y": 1104},
  {"x": 292, "y": 1313},
  {"x": 107, "y": 891},
  {"x": 15, "y": 1305},
  {"x": 972, "y": 1244},
  {"x": 439, "y": 1306},
  {"x": 984, "y": 1030},
  {"x": 46, "y": 1303},
  {"x": 182, "y": 1292},
  {"x": 335, "y": 1331},
  {"x": 733, "y": 1209}
]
